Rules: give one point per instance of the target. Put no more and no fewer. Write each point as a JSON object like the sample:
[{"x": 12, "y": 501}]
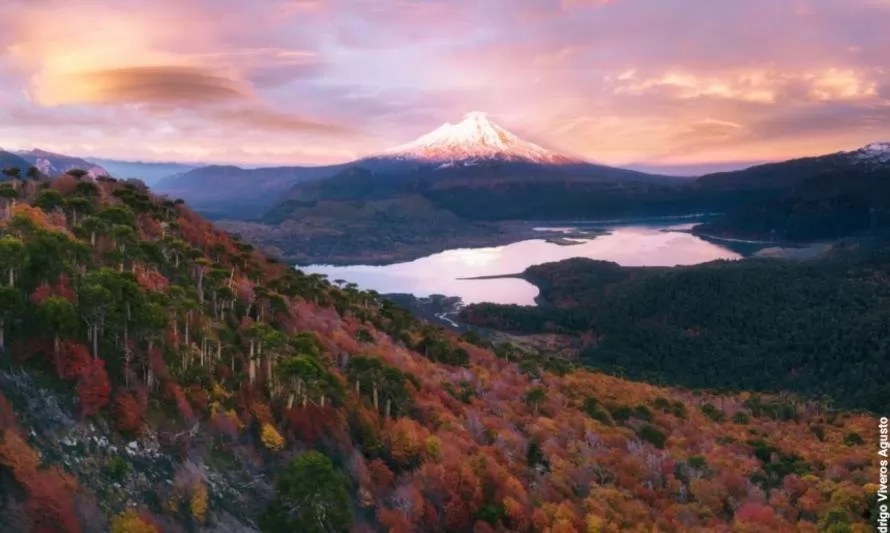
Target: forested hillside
[
  {"x": 160, "y": 376},
  {"x": 808, "y": 199},
  {"x": 817, "y": 327}
]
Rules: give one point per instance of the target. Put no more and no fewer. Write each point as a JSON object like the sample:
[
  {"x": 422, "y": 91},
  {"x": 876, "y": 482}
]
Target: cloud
[
  {"x": 615, "y": 81},
  {"x": 262, "y": 120},
  {"x": 160, "y": 85}
]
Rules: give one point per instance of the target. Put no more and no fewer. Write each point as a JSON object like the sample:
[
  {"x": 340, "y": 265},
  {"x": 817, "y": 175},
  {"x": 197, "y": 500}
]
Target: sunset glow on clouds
[{"x": 648, "y": 82}]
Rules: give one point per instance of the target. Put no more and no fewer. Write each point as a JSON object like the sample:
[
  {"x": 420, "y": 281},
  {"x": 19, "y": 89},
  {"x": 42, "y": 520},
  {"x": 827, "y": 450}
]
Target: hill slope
[
  {"x": 235, "y": 192},
  {"x": 142, "y": 345},
  {"x": 10, "y": 160},
  {"x": 753, "y": 324},
  {"x": 807, "y": 199}
]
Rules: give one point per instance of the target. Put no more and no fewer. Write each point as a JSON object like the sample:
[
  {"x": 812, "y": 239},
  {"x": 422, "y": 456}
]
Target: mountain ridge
[
  {"x": 475, "y": 147},
  {"x": 12, "y": 160},
  {"x": 149, "y": 172},
  {"x": 52, "y": 164}
]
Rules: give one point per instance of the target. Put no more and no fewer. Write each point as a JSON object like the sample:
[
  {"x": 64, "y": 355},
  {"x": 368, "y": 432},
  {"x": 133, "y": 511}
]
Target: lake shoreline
[
  {"x": 519, "y": 275},
  {"x": 500, "y": 272},
  {"x": 490, "y": 235},
  {"x": 504, "y": 234}
]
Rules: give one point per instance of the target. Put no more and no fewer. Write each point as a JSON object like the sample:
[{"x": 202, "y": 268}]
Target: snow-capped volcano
[{"x": 474, "y": 139}]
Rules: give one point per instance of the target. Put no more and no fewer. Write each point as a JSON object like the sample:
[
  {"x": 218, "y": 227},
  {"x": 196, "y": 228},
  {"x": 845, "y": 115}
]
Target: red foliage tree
[
  {"x": 756, "y": 514},
  {"x": 41, "y": 293},
  {"x": 93, "y": 388},
  {"x": 62, "y": 288},
  {"x": 8, "y": 420},
  {"x": 150, "y": 227},
  {"x": 128, "y": 413},
  {"x": 381, "y": 476},
  {"x": 308, "y": 423},
  {"x": 174, "y": 393},
  {"x": 157, "y": 365},
  {"x": 50, "y": 505},
  {"x": 198, "y": 397},
  {"x": 65, "y": 184},
  {"x": 151, "y": 280},
  {"x": 73, "y": 360},
  {"x": 394, "y": 521}
]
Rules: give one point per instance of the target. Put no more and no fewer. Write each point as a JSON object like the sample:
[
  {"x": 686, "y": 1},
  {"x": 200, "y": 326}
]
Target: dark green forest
[{"x": 821, "y": 328}]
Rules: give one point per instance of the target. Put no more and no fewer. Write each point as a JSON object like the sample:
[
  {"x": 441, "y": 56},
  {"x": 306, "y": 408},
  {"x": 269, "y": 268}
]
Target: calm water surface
[{"x": 440, "y": 273}]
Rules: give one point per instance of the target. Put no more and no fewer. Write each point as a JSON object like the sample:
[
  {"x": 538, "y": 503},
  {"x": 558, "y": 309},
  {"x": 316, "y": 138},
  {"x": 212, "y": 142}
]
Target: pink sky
[{"x": 646, "y": 82}]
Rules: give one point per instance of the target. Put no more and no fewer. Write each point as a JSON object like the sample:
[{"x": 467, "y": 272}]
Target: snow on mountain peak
[
  {"x": 874, "y": 153},
  {"x": 475, "y": 138},
  {"x": 878, "y": 147}
]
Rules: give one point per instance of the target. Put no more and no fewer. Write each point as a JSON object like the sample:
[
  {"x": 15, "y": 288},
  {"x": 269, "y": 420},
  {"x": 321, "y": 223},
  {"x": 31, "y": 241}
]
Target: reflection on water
[{"x": 439, "y": 273}]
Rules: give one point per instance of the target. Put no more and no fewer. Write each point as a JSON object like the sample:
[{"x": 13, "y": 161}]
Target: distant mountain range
[
  {"x": 806, "y": 199},
  {"x": 11, "y": 160},
  {"x": 52, "y": 164},
  {"x": 874, "y": 157},
  {"x": 459, "y": 177},
  {"x": 474, "y": 150},
  {"x": 148, "y": 172}
]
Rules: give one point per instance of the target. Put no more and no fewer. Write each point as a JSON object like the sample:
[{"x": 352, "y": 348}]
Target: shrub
[
  {"x": 741, "y": 418},
  {"x": 198, "y": 503},
  {"x": 713, "y": 413},
  {"x": 131, "y": 522},
  {"x": 853, "y": 439},
  {"x": 272, "y": 440},
  {"x": 652, "y": 435},
  {"x": 117, "y": 468}
]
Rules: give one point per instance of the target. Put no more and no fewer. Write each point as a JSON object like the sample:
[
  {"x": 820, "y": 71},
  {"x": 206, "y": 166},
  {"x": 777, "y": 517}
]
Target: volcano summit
[{"x": 476, "y": 138}]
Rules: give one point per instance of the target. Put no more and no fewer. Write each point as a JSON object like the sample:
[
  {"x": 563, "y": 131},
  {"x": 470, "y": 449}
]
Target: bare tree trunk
[
  {"x": 126, "y": 358},
  {"x": 96, "y": 340},
  {"x": 200, "y": 284},
  {"x": 251, "y": 363},
  {"x": 56, "y": 349}
]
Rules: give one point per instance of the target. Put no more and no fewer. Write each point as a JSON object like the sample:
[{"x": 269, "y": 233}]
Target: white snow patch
[
  {"x": 874, "y": 153},
  {"x": 475, "y": 138}
]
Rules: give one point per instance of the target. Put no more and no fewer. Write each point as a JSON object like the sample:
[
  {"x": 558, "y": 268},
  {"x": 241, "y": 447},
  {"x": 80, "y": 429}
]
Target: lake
[{"x": 643, "y": 245}]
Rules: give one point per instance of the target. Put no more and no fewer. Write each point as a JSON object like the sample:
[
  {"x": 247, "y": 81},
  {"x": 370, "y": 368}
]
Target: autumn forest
[{"x": 188, "y": 382}]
